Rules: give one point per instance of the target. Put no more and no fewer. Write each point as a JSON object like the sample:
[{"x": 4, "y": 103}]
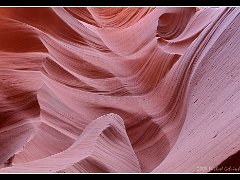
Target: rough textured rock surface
[{"x": 119, "y": 89}]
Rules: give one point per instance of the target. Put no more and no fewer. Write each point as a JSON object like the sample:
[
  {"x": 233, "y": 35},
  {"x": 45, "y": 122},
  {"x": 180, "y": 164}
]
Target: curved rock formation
[{"x": 119, "y": 89}]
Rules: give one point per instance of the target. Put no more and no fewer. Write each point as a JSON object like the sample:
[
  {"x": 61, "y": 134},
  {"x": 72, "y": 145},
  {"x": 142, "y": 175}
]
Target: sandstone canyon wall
[{"x": 119, "y": 89}]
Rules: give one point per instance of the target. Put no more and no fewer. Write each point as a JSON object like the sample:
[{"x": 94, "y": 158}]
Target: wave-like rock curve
[{"x": 118, "y": 89}]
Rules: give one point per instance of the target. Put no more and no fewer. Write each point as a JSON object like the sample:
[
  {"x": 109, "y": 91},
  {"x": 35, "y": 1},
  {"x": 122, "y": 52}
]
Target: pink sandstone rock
[{"x": 119, "y": 90}]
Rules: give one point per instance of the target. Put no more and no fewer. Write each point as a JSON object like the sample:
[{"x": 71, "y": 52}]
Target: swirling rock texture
[{"x": 119, "y": 89}]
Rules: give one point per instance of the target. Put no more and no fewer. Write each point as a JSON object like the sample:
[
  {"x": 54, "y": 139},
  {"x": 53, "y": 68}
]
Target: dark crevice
[{"x": 230, "y": 165}]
